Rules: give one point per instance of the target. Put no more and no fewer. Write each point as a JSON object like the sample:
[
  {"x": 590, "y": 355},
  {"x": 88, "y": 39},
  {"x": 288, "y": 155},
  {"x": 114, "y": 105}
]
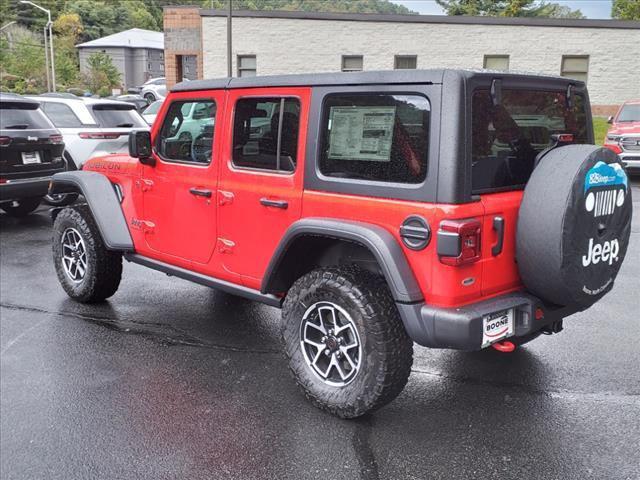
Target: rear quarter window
[
  {"x": 61, "y": 115},
  {"x": 117, "y": 116},
  {"x": 375, "y": 137},
  {"x": 506, "y": 138}
]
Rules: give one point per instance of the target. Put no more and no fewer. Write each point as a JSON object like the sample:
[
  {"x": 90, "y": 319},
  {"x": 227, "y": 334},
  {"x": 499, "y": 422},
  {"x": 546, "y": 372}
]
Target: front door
[
  {"x": 260, "y": 190},
  {"x": 180, "y": 190}
]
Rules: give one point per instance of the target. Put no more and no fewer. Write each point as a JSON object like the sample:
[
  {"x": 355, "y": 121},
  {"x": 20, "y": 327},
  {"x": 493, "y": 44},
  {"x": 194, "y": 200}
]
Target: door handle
[
  {"x": 283, "y": 204},
  {"x": 200, "y": 193},
  {"x": 498, "y": 226}
]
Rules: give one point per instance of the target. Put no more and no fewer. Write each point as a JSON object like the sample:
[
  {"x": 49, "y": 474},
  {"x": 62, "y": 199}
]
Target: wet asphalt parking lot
[{"x": 173, "y": 380}]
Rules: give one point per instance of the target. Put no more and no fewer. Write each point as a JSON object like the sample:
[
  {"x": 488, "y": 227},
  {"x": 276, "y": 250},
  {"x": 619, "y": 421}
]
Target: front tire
[
  {"x": 21, "y": 208},
  {"x": 346, "y": 345},
  {"x": 87, "y": 271}
]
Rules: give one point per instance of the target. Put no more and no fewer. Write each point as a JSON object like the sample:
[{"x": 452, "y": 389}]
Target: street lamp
[{"x": 49, "y": 24}]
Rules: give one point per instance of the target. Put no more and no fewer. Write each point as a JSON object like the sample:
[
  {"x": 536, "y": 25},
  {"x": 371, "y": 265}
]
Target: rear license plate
[
  {"x": 497, "y": 326},
  {"x": 31, "y": 157}
]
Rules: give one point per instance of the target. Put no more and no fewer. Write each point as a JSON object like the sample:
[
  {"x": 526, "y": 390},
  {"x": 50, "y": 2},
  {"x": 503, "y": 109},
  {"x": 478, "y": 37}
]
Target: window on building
[
  {"x": 352, "y": 63},
  {"x": 187, "y": 132},
  {"x": 496, "y": 62},
  {"x": 61, "y": 115},
  {"x": 265, "y": 133},
  {"x": 247, "y": 66},
  {"x": 406, "y": 62},
  {"x": 575, "y": 66},
  {"x": 375, "y": 137}
]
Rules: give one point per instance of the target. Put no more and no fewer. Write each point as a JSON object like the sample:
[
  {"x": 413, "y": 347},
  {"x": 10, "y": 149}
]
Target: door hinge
[
  {"x": 225, "y": 198},
  {"x": 225, "y": 246},
  {"x": 144, "y": 225},
  {"x": 144, "y": 184}
]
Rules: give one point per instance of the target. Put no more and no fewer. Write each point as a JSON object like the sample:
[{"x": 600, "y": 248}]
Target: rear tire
[
  {"x": 63, "y": 199},
  {"x": 349, "y": 313},
  {"x": 150, "y": 97},
  {"x": 87, "y": 271},
  {"x": 22, "y": 207}
]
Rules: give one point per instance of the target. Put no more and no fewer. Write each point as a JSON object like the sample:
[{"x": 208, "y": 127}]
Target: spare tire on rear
[{"x": 574, "y": 225}]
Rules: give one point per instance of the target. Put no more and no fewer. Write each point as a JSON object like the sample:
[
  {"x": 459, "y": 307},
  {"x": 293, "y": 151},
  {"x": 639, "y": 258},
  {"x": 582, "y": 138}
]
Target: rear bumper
[
  {"x": 461, "y": 328},
  {"x": 24, "y": 188}
]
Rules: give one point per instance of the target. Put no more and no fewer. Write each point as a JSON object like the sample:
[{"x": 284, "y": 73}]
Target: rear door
[
  {"x": 506, "y": 138},
  {"x": 261, "y": 179}
]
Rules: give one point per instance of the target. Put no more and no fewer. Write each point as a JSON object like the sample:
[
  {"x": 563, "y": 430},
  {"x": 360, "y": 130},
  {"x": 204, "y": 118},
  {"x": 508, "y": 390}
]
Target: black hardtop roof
[
  {"x": 436, "y": 76},
  {"x": 15, "y": 98}
]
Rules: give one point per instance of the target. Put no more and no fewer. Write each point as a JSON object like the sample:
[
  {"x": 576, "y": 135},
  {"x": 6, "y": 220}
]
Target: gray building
[{"x": 137, "y": 54}]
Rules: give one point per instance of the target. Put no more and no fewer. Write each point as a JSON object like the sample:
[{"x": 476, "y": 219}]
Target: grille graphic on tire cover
[{"x": 605, "y": 188}]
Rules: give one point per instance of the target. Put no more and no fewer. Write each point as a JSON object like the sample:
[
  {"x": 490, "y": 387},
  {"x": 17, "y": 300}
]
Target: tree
[
  {"x": 508, "y": 8},
  {"x": 102, "y": 75},
  {"x": 625, "y": 9}
]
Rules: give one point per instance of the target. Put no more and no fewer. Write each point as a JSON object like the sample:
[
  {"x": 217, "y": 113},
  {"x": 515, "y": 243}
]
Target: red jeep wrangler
[{"x": 455, "y": 209}]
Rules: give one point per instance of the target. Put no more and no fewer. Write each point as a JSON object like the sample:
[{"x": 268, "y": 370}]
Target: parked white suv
[
  {"x": 90, "y": 127},
  {"x": 154, "y": 89}
]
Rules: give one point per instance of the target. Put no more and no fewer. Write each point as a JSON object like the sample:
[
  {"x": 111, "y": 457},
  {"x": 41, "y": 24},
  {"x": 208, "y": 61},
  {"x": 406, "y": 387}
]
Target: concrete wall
[{"x": 284, "y": 45}]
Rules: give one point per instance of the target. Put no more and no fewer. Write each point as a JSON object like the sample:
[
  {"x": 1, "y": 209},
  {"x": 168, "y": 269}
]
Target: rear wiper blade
[
  {"x": 125, "y": 125},
  {"x": 17, "y": 126}
]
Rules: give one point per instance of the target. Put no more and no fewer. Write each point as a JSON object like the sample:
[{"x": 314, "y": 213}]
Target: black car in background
[{"x": 30, "y": 152}]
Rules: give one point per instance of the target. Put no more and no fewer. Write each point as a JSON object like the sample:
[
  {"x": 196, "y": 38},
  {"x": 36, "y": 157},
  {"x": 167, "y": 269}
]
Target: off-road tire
[
  {"x": 387, "y": 350},
  {"x": 22, "y": 207},
  {"x": 104, "y": 267}
]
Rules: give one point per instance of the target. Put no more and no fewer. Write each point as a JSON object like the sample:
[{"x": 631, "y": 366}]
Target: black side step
[{"x": 205, "y": 280}]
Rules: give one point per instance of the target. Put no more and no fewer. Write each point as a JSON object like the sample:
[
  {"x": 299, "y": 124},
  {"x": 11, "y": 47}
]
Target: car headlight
[{"x": 613, "y": 138}]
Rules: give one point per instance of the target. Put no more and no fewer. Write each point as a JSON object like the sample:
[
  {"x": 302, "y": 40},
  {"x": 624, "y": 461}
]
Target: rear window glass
[
  {"x": 377, "y": 137},
  {"x": 265, "y": 133},
  {"x": 13, "y": 117},
  {"x": 506, "y": 138},
  {"x": 61, "y": 115},
  {"x": 116, "y": 116}
]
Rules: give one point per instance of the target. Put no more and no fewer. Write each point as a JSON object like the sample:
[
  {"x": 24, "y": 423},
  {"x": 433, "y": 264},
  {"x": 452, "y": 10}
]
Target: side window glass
[
  {"x": 376, "y": 137},
  {"x": 61, "y": 115},
  {"x": 265, "y": 133},
  {"x": 187, "y": 132}
]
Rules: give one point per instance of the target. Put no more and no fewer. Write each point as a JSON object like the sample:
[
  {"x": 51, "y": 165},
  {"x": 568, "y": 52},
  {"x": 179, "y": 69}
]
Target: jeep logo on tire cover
[{"x": 605, "y": 198}]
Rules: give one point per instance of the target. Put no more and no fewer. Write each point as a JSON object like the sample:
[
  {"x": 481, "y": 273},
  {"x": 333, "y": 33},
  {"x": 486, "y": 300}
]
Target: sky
[{"x": 590, "y": 8}]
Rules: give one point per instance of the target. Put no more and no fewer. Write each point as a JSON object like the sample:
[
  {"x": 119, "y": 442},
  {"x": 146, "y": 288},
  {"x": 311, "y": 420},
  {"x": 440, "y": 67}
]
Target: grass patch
[{"x": 600, "y": 127}]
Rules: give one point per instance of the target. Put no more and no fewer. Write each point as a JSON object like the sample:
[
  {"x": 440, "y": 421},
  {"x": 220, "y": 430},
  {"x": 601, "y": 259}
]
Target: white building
[{"x": 605, "y": 53}]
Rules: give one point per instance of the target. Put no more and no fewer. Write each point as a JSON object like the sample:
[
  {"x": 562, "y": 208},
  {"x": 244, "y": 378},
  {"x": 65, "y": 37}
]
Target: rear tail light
[
  {"x": 459, "y": 241},
  {"x": 55, "y": 139},
  {"x": 4, "y": 141},
  {"x": 100, "y": 135}
]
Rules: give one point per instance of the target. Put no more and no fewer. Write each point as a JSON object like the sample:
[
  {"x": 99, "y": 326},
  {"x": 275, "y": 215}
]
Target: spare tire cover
[{"x": 574, "y": 225}]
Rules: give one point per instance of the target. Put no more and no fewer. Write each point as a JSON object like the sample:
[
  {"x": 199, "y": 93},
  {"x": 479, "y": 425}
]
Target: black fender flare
[
  {"x": 379, "y": 241},
  {"x": 103, "y": 202}
]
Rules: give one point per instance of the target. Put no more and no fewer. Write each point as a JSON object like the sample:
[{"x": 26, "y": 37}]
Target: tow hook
[
  {"x": 555, "y": 327},
  {"x": 505, "y": 346}
]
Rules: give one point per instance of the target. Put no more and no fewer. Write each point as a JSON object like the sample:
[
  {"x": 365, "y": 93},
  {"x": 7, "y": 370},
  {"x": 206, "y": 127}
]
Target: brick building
[{"x": 604, "y": 53}]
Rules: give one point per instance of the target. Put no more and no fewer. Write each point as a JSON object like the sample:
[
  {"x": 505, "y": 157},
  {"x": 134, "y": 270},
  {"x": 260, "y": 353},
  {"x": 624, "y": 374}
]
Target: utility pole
[
  {"x": 52, "y": 86},
  {"x": 229, "y": 49}
]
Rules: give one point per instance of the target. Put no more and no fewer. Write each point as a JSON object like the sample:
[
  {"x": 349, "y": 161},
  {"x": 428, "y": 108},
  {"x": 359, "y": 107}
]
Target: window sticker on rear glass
[{"x": 361, "y": 133}]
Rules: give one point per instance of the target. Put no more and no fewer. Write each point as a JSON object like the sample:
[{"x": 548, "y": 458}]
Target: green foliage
[
  {"x": 600, "y": 128},
  {"x": 22, "y": 66},
  {"x": 102, "y": 75},
  {"x": 626, "y": 9},
  {"x": 508, "y": 8}
]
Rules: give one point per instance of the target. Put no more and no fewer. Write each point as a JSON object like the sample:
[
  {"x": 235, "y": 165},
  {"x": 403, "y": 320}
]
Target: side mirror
[
  {"x": 140, "y": 147},
  {"x": 610, "y": 119}
]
